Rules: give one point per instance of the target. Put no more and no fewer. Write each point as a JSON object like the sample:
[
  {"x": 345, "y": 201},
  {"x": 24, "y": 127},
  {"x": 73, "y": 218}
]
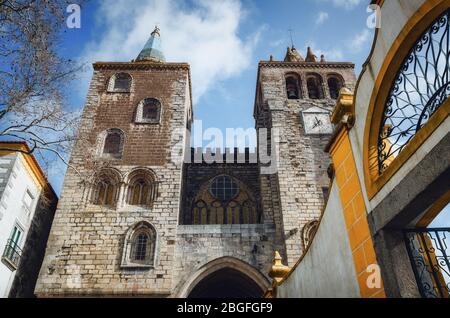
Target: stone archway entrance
[
  {"x": 226, "y": 283},
  {"x": 225, "y": 277}
]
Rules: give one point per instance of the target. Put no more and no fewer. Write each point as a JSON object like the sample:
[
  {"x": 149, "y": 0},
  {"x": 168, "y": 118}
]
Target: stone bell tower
[
  {"x": 296, "y": 97},
  {"x": 114, "y": 231}
]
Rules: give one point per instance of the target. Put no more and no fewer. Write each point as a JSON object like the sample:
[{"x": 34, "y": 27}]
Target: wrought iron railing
[
  {"x": 429, "y": 252},
  {"x": 12, "y": 254},
  {"x": 421, "y": 86}
]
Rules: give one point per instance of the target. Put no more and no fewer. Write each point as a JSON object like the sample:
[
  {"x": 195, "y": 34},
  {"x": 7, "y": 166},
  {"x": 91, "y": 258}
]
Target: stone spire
[
  {"x": 292, "y": 55},
  {"x": 310, "y": 57},
  {"x": 152, "y": 50}
]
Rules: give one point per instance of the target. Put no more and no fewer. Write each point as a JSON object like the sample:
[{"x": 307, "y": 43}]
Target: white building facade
[{"x": 21, "y": 186}]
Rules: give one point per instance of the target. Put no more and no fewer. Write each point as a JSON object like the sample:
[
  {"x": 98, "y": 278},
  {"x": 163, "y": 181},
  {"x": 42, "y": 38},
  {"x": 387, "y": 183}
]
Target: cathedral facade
[{"x": 143, "y": 214}]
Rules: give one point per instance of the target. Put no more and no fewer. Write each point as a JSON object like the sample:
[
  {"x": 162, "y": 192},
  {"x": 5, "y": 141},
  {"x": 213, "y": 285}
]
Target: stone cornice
[
  {"x": 140, "y": 66},
  {"x": 307, "y": 64}
]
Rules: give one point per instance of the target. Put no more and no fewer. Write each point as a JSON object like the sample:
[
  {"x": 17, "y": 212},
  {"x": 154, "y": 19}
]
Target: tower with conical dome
[
  {"x": 115, "y": 229},
  {"x": 152, "y": 50}
]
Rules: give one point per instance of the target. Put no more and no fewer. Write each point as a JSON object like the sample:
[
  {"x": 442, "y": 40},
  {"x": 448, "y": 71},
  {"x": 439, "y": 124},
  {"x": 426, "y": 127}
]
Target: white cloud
[
  {"x": 342, "y": 53},
  {"x": 360, "y": 40},
  {"x": 332, "y": 55},
  {"x": 204, "y": 34},
  {"x": 346, "y": 4},
  {"x": 321, "y": 17}
]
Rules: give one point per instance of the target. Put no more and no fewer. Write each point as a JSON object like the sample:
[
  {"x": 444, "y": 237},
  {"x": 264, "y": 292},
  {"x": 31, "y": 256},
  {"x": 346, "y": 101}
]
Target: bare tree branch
[{"x": 34, "y": 78}]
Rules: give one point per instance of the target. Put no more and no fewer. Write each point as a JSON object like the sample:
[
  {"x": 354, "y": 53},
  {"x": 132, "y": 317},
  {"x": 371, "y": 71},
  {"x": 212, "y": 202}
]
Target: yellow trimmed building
[{"x": 27, "y": 206}]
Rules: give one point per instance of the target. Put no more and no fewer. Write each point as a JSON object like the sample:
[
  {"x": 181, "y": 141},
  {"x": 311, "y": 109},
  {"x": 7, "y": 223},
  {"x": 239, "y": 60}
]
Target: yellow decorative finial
[{"x": 278, "y": 270}]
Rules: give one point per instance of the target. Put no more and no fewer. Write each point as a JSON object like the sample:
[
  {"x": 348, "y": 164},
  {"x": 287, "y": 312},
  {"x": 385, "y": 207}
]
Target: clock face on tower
[{"x": 317, "y": 121}]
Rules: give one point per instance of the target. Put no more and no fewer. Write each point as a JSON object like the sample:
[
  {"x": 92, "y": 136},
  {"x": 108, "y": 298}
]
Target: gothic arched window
[
  {"x": 334, "y": 85},
  {"x": 106, "y": 188},
  {"x": 113, "y": 144},
  {"x": 293, "y": 86},
  {"x": 148, "y": 111},
  {"x": 234, "y": 215},
  {"x": 120, "y": 83},
  {"x": 142, "y": 188},
  {"x": 223, "y": 200},
  {"x": 249, "y": 213},
  {"x": 200, "y": 213},
  {"x": 314, "y": 83},
  {"x": 420, "y": 88},
  {"x": 140, "y": 246}
]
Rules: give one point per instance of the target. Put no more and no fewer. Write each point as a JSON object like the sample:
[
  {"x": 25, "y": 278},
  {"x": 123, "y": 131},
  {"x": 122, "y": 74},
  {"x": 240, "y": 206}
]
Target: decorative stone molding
[{"x": 345, "y": 109}]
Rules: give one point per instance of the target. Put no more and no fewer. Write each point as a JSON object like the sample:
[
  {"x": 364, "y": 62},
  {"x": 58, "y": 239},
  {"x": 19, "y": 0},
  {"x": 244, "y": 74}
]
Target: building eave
[
  {"x": 141, "y": 65},
  {"x": 306, "y": 64},
  {"x": 22, "y": 147}
]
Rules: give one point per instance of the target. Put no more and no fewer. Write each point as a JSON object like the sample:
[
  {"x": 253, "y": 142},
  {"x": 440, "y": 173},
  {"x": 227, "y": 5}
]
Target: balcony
[{"x": 11, "y": 255}]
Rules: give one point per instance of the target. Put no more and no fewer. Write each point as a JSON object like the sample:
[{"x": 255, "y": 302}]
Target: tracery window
[
  {"x": 421, "y": 86},
  {"x": 224, "y": 188},
  {"x": 106, "y": 188},
  {"x": 142, "y": 188},
  {"x": 223, "y": 200}
]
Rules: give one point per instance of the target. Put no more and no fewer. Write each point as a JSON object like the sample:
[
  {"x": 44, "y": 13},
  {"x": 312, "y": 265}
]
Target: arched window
[
  {"x": 249, "y": 213},
  {"x": 148, "y": 111},
  {"x": 293, "y": 86},
  {"x": 234, "y": 215},
  {"x": 106, "y": 188},
  {"x": 223, "y": 200},
  {"x": 200, "y": 213},
  {"x": 120, "y": 83},
  {"x": 420, "y": 88},
  {"x": 142, "y": 188},
  {"x": 224, "y": 188},
  {"x": 314, "y": 83},
  {"x": 113, "y": 144},
  {"x": 334, "y": 85},
  {"x": 140, "y": 246}
]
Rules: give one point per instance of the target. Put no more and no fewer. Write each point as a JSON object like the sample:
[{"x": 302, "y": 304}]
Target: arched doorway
[
  {"x": 226, "y": 283},
  {"x": 225, "y": 277}
]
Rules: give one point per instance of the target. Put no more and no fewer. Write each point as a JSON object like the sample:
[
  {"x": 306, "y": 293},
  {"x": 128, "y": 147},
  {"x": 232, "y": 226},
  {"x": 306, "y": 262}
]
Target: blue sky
[
  {"x": 223, "y": 61},
  {"x": 222, "y": 40}
]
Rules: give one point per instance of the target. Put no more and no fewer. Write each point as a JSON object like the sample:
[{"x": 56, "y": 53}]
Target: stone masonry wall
[
  {"x": 302, "y": 162},
  {"x": 197, "y": 245},
  {"x": 85, "y": 244}
]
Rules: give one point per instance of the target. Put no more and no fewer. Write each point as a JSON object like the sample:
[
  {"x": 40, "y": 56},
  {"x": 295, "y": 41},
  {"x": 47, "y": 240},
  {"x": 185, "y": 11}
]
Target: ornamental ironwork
[
  {"x": 429, "y": 253},
  {"x": 421, "y": 86},
  {"x": 11, "y": 254}
]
